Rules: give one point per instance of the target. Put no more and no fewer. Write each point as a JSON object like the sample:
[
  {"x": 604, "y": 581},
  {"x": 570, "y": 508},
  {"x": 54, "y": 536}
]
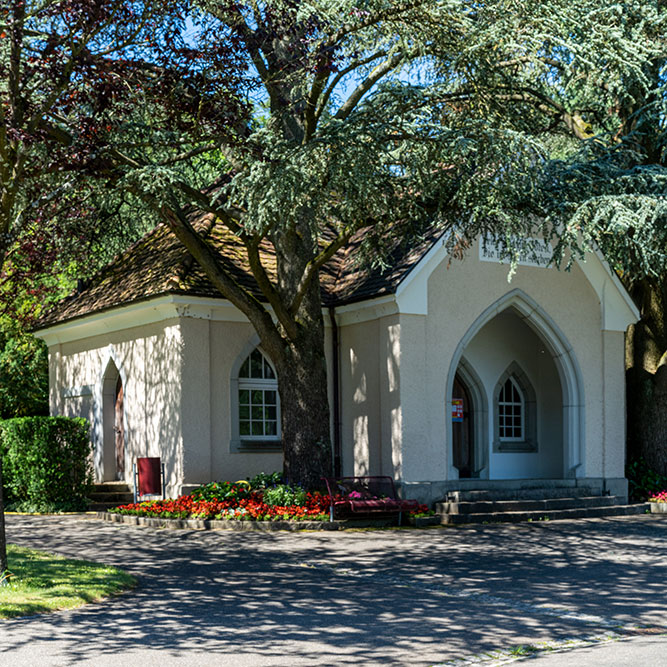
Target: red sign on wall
[{"x": 457, "y": 409}]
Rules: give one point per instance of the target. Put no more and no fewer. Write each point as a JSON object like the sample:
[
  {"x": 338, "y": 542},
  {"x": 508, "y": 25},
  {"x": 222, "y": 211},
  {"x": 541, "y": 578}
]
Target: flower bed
[
  {"x": 659, "y": 497},
  {"x": 241, "y": 501}
]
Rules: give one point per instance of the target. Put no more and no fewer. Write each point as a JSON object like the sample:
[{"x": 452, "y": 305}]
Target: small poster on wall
[{"x": 457, "y": 409}]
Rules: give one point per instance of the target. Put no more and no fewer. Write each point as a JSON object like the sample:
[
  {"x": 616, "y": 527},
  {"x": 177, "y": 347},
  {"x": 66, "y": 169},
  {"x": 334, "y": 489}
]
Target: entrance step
[
  {"x": 532, "y": 503},
  {"x": 109, "y": 494},
  {"x": 529, "y": 493},
  {"x": 516, "y": 516},
  {"x": 495, "y": 506}
]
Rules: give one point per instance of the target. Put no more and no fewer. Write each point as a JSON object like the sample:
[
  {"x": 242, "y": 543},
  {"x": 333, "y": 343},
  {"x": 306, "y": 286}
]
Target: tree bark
[
  {"x": 646, "y": 377},
  {"x": 3, "y": 540}
]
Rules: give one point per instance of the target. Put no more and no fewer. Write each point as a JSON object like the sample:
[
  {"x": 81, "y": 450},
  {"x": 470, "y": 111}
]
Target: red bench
[{"x": 365, "y": 496}]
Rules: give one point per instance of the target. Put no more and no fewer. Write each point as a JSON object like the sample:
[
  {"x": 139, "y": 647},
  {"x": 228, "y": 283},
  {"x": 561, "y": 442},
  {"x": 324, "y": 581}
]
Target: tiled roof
[{"x": 158, "y": 265}]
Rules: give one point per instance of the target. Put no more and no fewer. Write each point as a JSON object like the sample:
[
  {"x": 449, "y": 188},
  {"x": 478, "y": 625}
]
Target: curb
[{"x": 212, "y": 524}]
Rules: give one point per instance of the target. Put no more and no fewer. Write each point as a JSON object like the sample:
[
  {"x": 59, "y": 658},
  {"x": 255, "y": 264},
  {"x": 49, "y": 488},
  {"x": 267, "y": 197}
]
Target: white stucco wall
[
  {"x": 147, "y": 358},
  {"x": 405, "y": 388}
]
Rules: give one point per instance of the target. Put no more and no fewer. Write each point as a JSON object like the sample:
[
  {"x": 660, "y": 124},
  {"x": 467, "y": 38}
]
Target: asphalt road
[{"x": 586, "y": 592}]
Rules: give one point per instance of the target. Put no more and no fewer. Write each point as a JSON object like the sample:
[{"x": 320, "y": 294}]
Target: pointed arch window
[
  {"x": 258, "y": 402},
  {"x": 511, "y": 412},
  {"x": 515, "y": 412}
]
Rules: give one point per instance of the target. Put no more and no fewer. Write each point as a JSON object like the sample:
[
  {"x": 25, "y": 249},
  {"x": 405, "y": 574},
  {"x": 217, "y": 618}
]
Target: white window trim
[
  {"x": 522, "y": 413},
  {"x": 252, "y": 443}
]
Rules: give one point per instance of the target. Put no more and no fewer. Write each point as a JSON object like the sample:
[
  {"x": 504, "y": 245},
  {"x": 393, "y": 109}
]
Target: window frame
[
  {"x": 521, "y": 403},
  {"x": 264, "y": 442},
  {"x": 527, "y": 443}
]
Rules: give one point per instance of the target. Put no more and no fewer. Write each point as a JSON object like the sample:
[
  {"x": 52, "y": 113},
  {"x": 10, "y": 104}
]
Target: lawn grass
[{"x": 41, "y": 582}]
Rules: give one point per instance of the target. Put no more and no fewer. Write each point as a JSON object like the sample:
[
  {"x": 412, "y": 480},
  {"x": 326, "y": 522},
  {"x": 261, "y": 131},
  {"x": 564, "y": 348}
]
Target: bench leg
[
  {"x": 400, "y": 516},
  {"x": 331, "y": 514}
]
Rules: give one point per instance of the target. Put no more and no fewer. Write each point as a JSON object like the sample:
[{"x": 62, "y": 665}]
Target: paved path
[{"x": 354, "y": 598}]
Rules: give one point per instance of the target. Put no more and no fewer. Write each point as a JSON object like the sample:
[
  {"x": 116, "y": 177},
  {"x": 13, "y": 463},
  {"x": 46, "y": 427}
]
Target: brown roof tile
[{"x": 158, "y": 264}]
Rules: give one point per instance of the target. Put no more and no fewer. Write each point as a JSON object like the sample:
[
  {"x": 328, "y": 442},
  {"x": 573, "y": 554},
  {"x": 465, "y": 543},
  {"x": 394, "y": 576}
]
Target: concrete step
[
  {"x": 489, "y": 506},
  {"x": 112, "y": 497},
  {"x": 540, "y": 515},
  {"x": 536, "y": 493},
  {"x": 109, "y": 494},
  {"x": 112, "y": 487}
]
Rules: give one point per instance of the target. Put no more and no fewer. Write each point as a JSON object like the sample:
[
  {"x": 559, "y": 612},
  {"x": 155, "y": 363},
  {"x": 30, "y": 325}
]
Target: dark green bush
[
  {"x": 264, "y": 480},
  {"x": 644, "y": 481},
  {"x": 24, "y": 374},
  {"x": 284, "y": 495},
  {"x": 46, "y": 463}
]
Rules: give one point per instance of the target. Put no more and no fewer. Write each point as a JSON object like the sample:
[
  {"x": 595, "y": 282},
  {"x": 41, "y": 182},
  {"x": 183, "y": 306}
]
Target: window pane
[
  {"x": 257, "y": 428},
  {"x": 270, "y": 412},
  {"x": 256, "y": 361},
  {"x": 256, "y": 396},
  {"x": 268, "y": 371},
  {"x": 245, "y": 369},
  {"x": 271, "y": 428},
  {"x": 257, "y": 413},
  {"x": 244, "y": 427},
  {"x": 270, "y": 397},
  {"x": 244, "y": 397},
  {"x": 244, "y": 412}
]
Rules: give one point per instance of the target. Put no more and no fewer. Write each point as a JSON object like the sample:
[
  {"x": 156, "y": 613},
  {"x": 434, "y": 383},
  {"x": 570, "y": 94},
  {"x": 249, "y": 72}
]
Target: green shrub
[
  {"x": 644, "y": 481},
  {"x": 265, "y": 480},
  {"x": 46, "y": 464},
  {"x": 218, "y": 491},
  {"x": 284, "y": 496},
  {"x": 24, "y": 374}
]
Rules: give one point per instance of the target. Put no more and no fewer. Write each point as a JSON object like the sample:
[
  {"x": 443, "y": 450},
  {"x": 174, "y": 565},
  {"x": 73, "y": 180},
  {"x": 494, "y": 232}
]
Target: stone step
[
  {"x": 488, "y": 506},
  {"x": 111, "y": 497},
  {"x": 106, "y": 495},
  {"x": 536, "y": 493},
  {"x": 552, "y": 515},
  {"x": 112, "y": 487}
]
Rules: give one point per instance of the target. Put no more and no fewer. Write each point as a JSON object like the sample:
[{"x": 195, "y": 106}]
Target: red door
[{"x": 119, "y": 431}]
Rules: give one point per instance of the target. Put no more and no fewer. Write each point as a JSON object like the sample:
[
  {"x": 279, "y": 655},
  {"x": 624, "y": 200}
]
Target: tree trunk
[
  {"x": 3, "y": 541},
  {"x": 304, "y": 404},
  {"x": 646, "y": 377}
]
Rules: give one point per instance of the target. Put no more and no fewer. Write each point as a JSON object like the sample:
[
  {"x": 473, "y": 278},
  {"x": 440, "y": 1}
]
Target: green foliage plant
[
  {"x": 644, "y": 482},
  {"x": 219, "y": 491},
  {"x": 284, "y": 495},
  {"x": 264, "y": 480},
  {"x": 46, "y": 463},
  {"x": 24, "y": 374}
]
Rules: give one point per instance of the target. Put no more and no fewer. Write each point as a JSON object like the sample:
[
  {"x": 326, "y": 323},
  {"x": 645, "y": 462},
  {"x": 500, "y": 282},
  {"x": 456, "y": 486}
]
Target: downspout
[{"x": 335, "y": 356}]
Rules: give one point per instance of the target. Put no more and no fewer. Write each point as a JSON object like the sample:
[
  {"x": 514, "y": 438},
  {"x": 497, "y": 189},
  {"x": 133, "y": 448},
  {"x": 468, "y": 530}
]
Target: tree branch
[
  {"x": 377, "y": 73},
  {"x": 313, "y": 267}
]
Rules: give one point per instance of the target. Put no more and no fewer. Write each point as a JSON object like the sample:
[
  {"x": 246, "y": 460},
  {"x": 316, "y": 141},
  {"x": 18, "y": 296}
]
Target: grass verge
[{"x": 41, "y": 582}]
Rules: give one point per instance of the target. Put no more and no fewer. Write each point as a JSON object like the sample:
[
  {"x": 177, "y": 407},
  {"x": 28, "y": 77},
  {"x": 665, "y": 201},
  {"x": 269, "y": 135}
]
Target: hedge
[{"x": 46, "y": 463}]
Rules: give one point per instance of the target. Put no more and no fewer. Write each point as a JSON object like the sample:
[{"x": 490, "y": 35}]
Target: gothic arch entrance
[{"x": 113, "y": 419}]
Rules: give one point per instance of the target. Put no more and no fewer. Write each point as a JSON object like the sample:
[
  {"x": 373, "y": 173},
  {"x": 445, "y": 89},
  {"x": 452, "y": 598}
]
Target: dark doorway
[
  {"x": 462, "y": 429},
  {"x": 119, "y": 430}
]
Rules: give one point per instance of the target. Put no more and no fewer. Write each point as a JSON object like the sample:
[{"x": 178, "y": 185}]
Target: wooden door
[
  {"x": 462, "y": 434},
  {"x": 119, "y": 431}
]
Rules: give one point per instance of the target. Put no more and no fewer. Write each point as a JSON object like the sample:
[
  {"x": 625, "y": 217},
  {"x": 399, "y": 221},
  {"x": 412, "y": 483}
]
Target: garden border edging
[{"x": 213, "y": 524}]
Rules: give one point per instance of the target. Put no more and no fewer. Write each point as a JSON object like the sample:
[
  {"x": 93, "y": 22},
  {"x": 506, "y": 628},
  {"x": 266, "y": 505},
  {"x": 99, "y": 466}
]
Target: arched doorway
[
  {"x": 113, "y": 420},
  {"x": 462, "y": 429},
  {"x": 516, "y": 329},
  {"x": 119, "y": 430}
]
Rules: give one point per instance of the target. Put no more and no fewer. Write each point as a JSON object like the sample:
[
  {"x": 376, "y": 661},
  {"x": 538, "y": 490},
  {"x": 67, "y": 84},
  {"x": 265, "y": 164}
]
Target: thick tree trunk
[
  {"x": 3, "y": 540},
  {"x": 302, "y": 384},
  {"x": 646, "y": 377}
]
